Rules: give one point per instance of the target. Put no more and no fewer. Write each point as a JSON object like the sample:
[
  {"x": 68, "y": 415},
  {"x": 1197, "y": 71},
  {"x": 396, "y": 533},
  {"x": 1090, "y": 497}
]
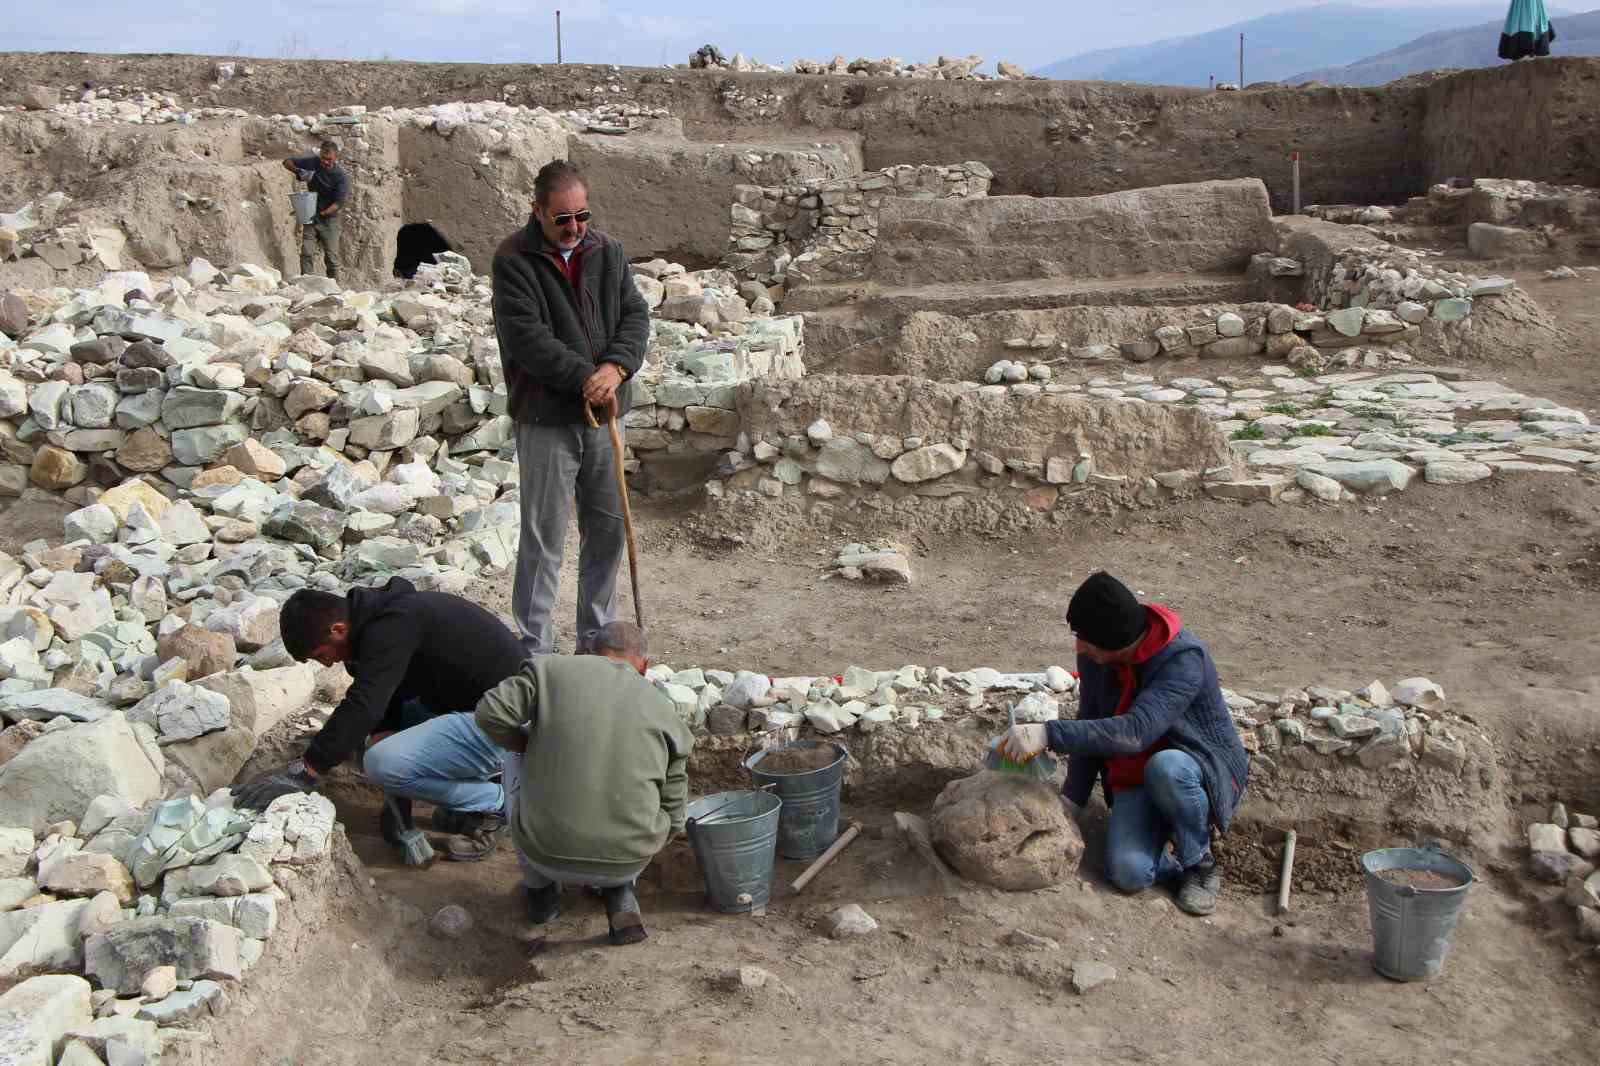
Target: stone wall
[
  {"x": 1207, "y": 227},
  {"x": 668, "y": 197},
  {"x": 1042, "y": 138},
  {"x": 888, "y": 441},
  {"x": 826, "y": 231}
]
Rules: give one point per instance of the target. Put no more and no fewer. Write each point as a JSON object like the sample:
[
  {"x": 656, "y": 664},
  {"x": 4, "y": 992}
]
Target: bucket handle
[{"x": 696, "y": 821}]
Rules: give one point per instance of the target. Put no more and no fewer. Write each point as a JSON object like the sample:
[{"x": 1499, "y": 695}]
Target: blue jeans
[
  {"x": 1171, "y": 805},
  {"x": 445, "y": 761}
]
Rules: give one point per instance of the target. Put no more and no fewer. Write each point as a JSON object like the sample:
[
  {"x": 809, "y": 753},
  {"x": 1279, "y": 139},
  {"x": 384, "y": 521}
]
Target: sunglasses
[{"x": 570, "y": 216}]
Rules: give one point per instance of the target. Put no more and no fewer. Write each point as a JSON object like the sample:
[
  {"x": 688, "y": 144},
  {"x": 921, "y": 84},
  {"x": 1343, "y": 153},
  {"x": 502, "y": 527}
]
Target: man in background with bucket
[
  {"x": 1153, "y": 728},
  {"x": 605, "y": 780},
  {"x": 324, "y": 176}
]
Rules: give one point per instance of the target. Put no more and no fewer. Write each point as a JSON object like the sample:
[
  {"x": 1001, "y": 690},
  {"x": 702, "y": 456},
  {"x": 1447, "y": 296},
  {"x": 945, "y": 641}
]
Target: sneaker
[
  {"x": 1199, "y": 887},
  {"x": 388, "y": 827},
  {"x": 544, "y": 904},
  {"x": 622, "y": 914},
  {"x": 480, "y": 842}
]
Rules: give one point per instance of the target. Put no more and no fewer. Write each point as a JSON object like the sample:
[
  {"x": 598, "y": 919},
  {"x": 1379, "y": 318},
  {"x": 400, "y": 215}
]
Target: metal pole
[
  {"x": 1296, "y": 158},
  {"x": 558, "y": 36},
  {"x": 1241, "y": 62}
]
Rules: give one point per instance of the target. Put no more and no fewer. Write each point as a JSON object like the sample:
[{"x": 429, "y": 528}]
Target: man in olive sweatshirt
[{"x": 604, "y": 782}]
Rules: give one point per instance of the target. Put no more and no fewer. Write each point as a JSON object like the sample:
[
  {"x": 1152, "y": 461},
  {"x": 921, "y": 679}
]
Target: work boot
[
  {"x": 480, "y": 842},
  {"x": 622, "y": 913},
  {"x": 1200, "y": 886},
  {"x": 544, "y": 904}
]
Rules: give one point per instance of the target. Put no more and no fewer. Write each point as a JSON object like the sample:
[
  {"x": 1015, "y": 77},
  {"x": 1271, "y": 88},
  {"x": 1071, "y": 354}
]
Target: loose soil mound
[
  {"x": 797, "y": 760},
  {"x": 1420, "y": 879}
]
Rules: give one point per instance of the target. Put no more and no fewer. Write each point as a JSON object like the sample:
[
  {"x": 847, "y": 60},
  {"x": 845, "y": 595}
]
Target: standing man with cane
[
  {"x": 573, "y": 330},
  {"x": 324, "y": 176}
]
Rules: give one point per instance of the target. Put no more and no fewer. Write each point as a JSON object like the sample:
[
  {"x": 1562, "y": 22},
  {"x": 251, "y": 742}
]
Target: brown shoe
[{"x": 479, "y": 843}]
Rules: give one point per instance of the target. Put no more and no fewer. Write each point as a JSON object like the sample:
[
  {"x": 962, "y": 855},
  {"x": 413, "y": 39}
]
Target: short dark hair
[
  {"x": 622, "y": 637},
  {"x": 329, "y": 146},
  {"x": 554, "y": 176},
  {"x": 306, "y": 618}
]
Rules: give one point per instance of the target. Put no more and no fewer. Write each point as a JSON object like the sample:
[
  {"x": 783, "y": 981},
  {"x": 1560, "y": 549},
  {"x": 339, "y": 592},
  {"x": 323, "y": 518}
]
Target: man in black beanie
[{"x": 1153, "y": 728}]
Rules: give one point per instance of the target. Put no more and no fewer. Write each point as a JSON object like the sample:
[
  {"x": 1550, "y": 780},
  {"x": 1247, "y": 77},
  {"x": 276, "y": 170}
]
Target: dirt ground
[{"x": 1488, "y": 590}]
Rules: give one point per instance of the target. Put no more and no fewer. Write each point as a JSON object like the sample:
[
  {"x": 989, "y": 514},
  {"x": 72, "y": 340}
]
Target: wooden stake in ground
[
  {"x": 1286, "y": 873},
  {"x": 826, "y": 857},
  {"x": 627, "y": 512}
]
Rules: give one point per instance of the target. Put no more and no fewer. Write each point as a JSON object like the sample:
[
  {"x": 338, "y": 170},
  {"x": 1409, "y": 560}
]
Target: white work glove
[
  {"x": 305, "y": 175},
  {"x": 1023, "y": 742}
]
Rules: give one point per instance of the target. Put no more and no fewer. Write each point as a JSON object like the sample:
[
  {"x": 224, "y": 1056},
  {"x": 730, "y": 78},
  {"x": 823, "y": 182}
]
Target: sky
[{"x": 1030, "y": 33}]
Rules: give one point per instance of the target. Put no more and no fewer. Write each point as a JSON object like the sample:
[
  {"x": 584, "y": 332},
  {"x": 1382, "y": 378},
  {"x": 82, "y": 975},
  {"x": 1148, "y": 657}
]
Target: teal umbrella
[{"x": 1527, "y": 31}]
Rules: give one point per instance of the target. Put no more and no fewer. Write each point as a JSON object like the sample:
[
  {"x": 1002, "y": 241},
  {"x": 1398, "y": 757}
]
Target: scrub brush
[{"x": 1040, "y": 767}]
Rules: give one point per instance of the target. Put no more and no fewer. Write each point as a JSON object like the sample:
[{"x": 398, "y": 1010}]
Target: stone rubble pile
[
  {"x": 1506, "y": 202},
  {"x": 36, "y": 229},
  {"x": 825, "y": 230},
  {"x": 1401, "y": 727},
  {"x": 1342, "y": 435},
  {"x": 944, "y": 68},
  {"x": 1565, "y": 851},
  {"x": 1387, "y": 277},
  {"x": 501, "y": 123},
  {"x": 1331, "y": 437},
  {"x": 131, "y": 924},
  {"x": 121, "y": 104},
  {"x": 228, "y": 439}
]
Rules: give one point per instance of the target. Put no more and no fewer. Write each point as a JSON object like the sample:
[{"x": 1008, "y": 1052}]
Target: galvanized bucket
[
  {"x": 1411, "y": 926},
  {"x": 810, "y": 820},
  {"x": 305, "y": 207},
  {"x": 734, "y": 836}
]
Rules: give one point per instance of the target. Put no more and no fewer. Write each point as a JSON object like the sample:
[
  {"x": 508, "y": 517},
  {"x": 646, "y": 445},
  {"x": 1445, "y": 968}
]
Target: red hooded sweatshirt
[{"x": 1127, "y": 771}]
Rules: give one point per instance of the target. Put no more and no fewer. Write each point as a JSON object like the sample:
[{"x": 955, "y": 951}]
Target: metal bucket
[
  {"x": 305, "y": 207},
  {"x": 1411, "y": 926},
  {"x": 734, "y": 847},
  {"x": 810, "y": 821}
]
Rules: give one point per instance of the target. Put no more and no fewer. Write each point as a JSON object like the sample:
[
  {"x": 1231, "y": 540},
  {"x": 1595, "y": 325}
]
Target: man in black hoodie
[
  {"x": 419, "y": 663},
  {"x": 573, "y": 331}
]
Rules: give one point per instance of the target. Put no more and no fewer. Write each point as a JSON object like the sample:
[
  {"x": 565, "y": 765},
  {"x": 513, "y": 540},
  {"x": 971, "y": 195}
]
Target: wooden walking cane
[{"x": 622, "y": 492}]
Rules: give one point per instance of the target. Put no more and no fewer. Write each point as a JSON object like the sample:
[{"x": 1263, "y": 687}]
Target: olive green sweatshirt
[{"x": 605, "y": 779}]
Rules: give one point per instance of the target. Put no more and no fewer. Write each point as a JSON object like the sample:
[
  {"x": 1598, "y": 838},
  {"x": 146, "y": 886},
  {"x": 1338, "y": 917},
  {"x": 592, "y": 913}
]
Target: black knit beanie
[{"x": 1105, "y": 613}]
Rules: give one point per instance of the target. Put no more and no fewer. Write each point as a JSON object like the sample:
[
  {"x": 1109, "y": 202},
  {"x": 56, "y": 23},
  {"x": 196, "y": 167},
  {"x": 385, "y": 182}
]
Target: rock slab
[{"x": 1005, "y": 830}]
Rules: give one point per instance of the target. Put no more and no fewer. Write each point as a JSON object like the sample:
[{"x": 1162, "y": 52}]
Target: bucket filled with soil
[
  {"x": 806, "y": 775},
  {"x": 1415, "y": 896}
]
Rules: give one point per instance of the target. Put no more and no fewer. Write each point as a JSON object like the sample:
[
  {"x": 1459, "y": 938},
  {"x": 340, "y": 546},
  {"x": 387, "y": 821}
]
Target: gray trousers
[
  {"x": 324, "y": 231},
  {"x": 556, "y": 463}
]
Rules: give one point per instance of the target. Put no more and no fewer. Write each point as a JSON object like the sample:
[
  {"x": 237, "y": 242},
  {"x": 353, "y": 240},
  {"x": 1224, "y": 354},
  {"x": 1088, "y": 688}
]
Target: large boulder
[
  {"x": 1005, "y": 830},
  {"x": 204, "y": 652},
  {"x": 53, "y": 778},
  {"x": 262, "y": 698},
  {"x": 42, "y": 939},
  {"x": 120, "y": 957},
  {"x": 36, "y": 1015}
]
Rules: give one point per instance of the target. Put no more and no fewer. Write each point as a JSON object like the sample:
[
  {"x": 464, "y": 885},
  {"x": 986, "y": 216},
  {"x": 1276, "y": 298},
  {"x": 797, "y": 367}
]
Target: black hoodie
[{"x": 440, "y": 650}]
